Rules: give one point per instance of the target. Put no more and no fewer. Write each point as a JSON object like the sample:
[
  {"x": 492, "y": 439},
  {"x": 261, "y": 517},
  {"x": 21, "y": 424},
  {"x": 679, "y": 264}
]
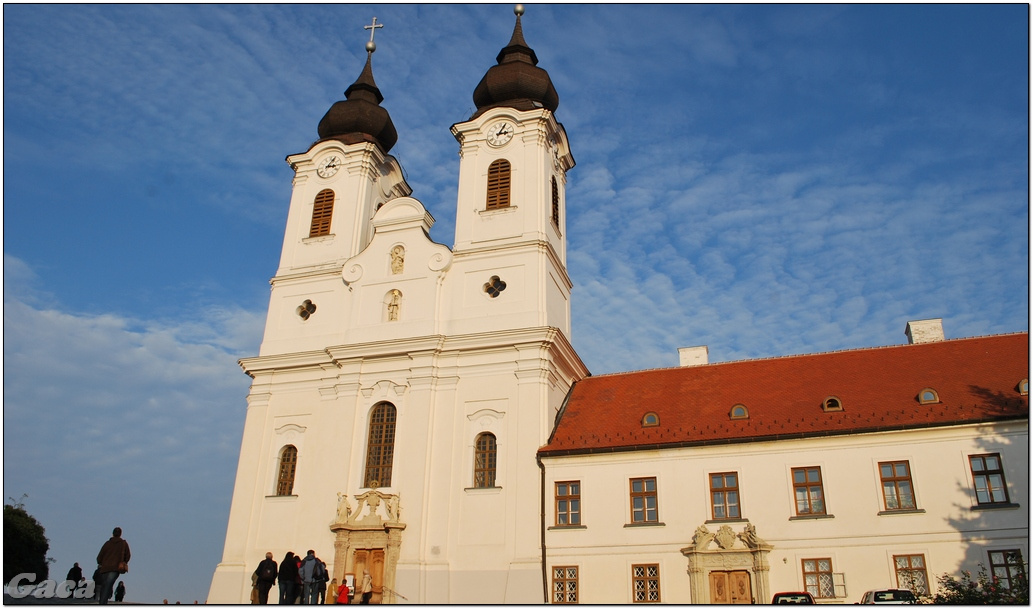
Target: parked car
[
  {"x": 889, "y": 597},
  {"x": 792, "y": 598}
]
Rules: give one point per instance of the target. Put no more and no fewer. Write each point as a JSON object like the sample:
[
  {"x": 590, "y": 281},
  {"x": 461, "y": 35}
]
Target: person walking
[
  {"x": 321, "y": 586},
  {"x": 266, "y": 573},
  {"x": 74, "y": 574},
  {"x": 288, "y": 571},
  {"x": 312, "y": 572},
  {"x": 112, "y": 561},
  {"x": 120, "y": 592},
  {"x": 367, "y": 587}
]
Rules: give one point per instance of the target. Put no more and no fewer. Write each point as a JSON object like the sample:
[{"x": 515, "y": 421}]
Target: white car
[{"x": 889, "y": 597}]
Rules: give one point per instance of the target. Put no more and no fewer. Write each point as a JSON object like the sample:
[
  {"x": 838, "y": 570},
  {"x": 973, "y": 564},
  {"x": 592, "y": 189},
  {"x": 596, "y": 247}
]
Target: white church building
[{"x": 418, "y": 411}]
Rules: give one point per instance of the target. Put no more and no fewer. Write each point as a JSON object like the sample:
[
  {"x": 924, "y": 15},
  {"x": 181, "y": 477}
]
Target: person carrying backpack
[{"x": 266, "y": 573}]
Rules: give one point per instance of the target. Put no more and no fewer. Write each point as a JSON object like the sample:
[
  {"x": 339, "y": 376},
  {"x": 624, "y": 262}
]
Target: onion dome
[
  {"x": 517, "y": 81},
  {"x": 359, "y": 117}
]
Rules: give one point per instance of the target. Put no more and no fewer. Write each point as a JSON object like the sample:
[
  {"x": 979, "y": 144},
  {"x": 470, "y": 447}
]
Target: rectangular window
[
  {"x": 911, "y": 573},
  {"x": 810, "y": 498},
  {"x": 564, "y": 585},
  {"x": 817, "y": 577},
  {"x": 645, "y": 583},
  {"x": 897, "y": 491},
  {"x": 988, "y": 477},
  {"x": 724, "y": 494},
  {"x": 1007, "y": 567},
  {"x": 643, "y": 500},
  {"x": 568, "y": 503}
]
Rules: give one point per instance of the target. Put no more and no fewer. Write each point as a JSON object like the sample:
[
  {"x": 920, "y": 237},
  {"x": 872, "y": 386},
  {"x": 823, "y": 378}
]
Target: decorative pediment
[
  {"x": 373, "y": 509},
  {"x": 726, "y": 539}
]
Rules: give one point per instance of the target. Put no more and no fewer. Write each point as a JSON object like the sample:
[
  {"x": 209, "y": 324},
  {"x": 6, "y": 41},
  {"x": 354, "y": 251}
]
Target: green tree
[
  {"x": 984, "y": 590},
  {"x": 25, "y": 544}
]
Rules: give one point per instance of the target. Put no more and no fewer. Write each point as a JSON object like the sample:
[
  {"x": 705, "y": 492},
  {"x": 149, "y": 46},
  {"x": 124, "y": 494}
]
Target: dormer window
[
  {"x": 1024, "y": 387},
  {"x": 738, "y": 412},
  {"x": 928, "y": 396},
  {"x": 832, "y": 404},
  {"x": 650, "y": 420}
]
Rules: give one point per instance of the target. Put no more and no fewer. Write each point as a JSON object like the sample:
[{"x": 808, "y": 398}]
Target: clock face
[
  {"x": 500, "y": 133},
  {"x": 328, "y": 166}
]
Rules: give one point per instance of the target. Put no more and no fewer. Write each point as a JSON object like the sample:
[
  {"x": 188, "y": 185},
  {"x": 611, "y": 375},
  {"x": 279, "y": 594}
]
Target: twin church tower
[{"x": 402, "y": 388}]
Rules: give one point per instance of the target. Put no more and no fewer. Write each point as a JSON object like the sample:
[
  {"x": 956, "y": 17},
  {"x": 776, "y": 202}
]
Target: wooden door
[
  {"x": 372, "y": 560},
  {"x": 730, "y": 588}
]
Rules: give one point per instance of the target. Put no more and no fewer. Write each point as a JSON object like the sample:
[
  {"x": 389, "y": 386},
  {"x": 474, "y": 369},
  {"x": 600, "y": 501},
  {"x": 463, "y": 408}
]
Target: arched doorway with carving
[
  {"x": 726, "y": 567},
  {"x": 368, "y": 538}
]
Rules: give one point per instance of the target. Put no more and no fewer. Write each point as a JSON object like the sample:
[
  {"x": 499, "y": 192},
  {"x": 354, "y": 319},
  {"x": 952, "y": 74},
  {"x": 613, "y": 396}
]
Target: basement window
[
  {"x": 739, "y": 411},
  {"x": 928, "y": 396},
  {"x": 832, "y": 404},
  {"x": 650, "y": 420}
]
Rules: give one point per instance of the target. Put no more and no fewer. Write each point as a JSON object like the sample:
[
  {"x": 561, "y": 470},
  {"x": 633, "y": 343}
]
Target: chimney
[
  {"x": 924, "y": 331},
  {"x": 692, "y": 356}
]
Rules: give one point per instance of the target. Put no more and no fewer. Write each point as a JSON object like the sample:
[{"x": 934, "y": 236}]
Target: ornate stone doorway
[
  {"x": 728, "y": 567},
  {"x": 368, "y": 538}
]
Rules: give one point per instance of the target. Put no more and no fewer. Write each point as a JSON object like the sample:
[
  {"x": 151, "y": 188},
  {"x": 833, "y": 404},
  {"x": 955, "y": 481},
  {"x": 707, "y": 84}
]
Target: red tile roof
[{"x": 976, "y": 379}]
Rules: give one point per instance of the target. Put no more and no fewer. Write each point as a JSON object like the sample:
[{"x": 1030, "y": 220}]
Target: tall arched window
[
  {"x": 498, "y": 184},
  {"x": 484, "y": 460},
  {"x": 288, "y": 465},
  {"x": 380, "y": 449},
  {"x": 555, "y": 203},
  {"x": 322, "y": 211}
]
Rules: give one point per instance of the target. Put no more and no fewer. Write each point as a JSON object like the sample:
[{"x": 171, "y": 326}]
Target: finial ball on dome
[
  {"x": 371, "y": 46},
  {"x": 518, "y": 9}
]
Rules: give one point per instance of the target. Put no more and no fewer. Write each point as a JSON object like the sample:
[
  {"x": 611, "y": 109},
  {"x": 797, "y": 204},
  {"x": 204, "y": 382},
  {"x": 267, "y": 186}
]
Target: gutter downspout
[{"x": 545, "y": 571}]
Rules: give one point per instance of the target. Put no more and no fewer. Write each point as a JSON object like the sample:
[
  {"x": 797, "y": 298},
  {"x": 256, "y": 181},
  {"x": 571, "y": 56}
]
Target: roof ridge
[{"x": 815, "y": 353}]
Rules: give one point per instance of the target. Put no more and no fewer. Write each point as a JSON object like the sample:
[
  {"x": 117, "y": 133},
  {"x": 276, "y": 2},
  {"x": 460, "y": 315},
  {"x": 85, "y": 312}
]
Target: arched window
[
  {"x": 380, "y": 449},
  {"x": 288, "y": 465},
  {"x": 832, "y": 404},
  {"x": 650, "y": 419},
  {"x": 484, "y": 461},
  {"x": 322, "y": 211},
  {"x": 498, "y": 185},
  {"x": 739, "y": 411},
  {"x": 555, "y": 203}
]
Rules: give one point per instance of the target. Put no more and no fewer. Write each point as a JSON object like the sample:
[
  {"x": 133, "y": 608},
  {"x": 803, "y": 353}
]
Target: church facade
[{"x": 418, "y": 412}]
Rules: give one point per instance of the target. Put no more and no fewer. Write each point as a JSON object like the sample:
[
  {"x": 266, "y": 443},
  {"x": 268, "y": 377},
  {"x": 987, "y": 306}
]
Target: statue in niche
[
  {"x": 397, "y": 260},
  {"x": 394, "y": 305}
]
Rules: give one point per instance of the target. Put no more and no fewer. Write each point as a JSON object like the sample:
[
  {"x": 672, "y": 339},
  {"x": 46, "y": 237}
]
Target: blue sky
[{"x": 761, "y": 179}]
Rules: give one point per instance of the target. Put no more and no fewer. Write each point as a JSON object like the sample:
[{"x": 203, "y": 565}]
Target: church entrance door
[
  {"x": 730, "y": 588},
  {"x": 372, "y": 560}
]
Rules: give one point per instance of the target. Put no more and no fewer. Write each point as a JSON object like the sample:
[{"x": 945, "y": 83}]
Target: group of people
[
  {"x": 112, "y": 561},
  {"x": 304, "y": 581}
]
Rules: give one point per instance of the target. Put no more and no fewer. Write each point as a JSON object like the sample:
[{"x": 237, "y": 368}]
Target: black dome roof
[
  {"x": 359, "y": 117},
  {"x": 517, "y": 81}
]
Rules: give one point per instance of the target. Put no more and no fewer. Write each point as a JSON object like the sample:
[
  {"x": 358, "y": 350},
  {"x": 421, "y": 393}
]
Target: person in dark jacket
[
  {"x": 120, "y": 592},
  {"x": 266, "y": 573},
  {"x": 74, "y": 574},
  {"x": 288, "y": 572},
  {"x": 113, "y": 554}
]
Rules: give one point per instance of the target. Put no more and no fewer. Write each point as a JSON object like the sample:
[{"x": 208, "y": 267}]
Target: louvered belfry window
[
  {"x": 322, "y": 212},
  {"x": 380, "y": 450},
  {"x": 498, "y": 185},
  {"x": 555, "y": 203}
]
